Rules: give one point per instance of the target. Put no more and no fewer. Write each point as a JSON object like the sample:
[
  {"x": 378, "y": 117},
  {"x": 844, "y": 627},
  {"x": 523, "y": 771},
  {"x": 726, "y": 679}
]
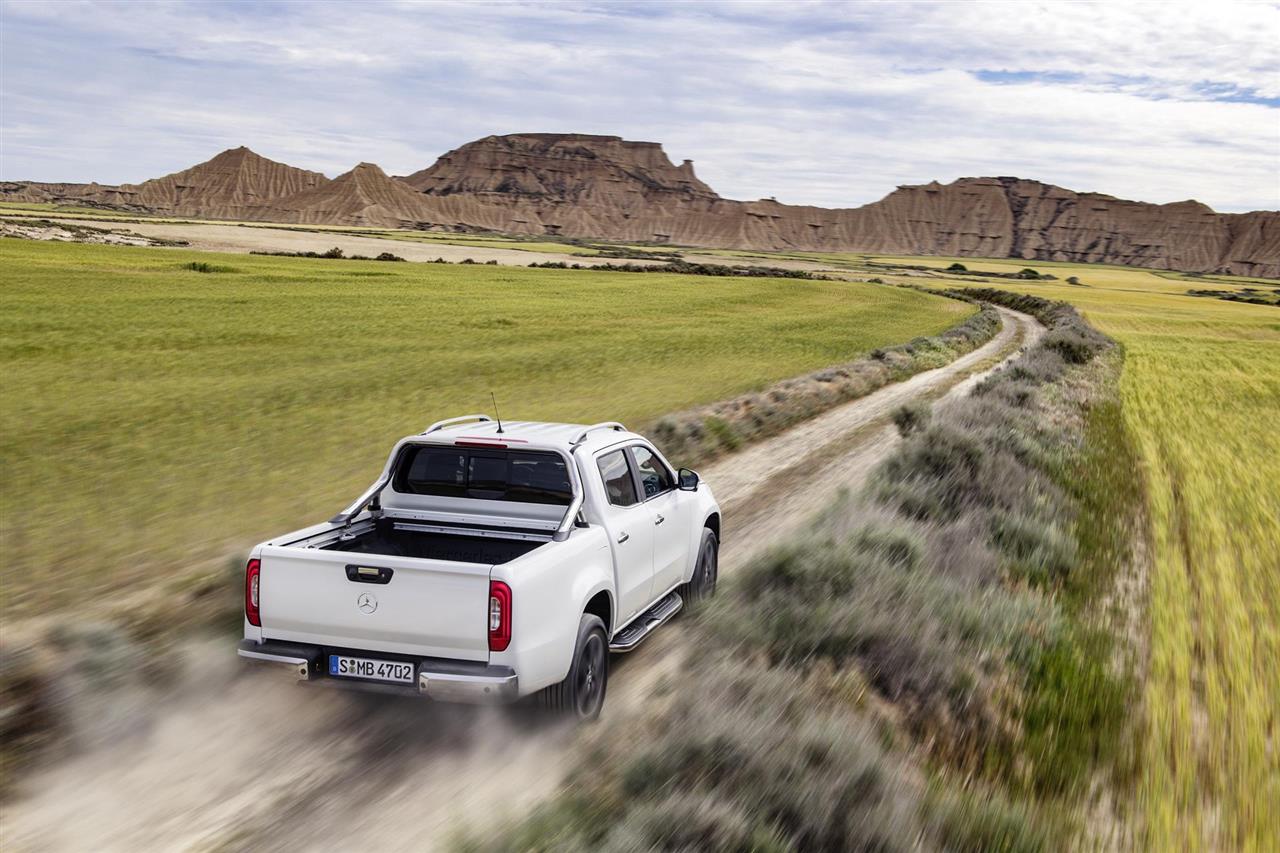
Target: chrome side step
[{"x": 644, "y": 624}]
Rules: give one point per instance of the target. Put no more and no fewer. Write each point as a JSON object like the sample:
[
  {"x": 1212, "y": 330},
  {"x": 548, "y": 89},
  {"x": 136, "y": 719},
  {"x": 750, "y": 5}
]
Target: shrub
[
  {"x": 333, "y": 254},
  {"x": 957, "y": 267},
  {"x": 1071, "y": 279},
  {"x": 724, "y": 435},
  {"x": 205, "y": 267},
  {"x": 912, "y": 417},
  {"x": 1074, "y": 346},
  {"x": 760, "y": 762},
  {"x": 1041, "y": 551}
]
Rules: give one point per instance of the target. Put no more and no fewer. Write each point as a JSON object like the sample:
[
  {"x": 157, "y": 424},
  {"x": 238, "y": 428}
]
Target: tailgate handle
[{"x": 369, "y": 574}]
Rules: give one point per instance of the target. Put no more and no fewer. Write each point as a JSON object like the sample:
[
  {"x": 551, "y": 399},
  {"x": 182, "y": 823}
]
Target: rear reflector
[
  {"x": 251, "y": 587},
  {"x": 499, "y": 616}
]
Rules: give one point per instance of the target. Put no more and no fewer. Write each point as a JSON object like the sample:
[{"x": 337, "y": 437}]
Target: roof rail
[
  {"x": 582, "y": 436},
  {"x": 447, "y": 421}
]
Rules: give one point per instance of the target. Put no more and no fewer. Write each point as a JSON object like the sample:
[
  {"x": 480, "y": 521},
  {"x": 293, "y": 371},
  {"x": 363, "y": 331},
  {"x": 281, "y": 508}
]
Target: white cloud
[{"x": 823, "y": 103}]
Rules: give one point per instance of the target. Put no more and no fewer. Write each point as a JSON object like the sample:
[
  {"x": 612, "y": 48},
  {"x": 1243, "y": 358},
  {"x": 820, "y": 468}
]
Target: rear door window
[
  {"x": 619, "y": 484},
  {"x": 524, "y": 476}
]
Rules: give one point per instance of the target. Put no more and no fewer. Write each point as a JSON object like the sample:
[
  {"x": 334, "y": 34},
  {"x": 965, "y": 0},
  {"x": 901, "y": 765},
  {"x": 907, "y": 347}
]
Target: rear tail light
[
  {"x": 251, "y": 587},
  {"x": 499, "y": 616}
]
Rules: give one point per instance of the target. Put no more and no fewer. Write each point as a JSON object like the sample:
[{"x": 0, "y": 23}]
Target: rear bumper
[{"x": 435, "y": 678}]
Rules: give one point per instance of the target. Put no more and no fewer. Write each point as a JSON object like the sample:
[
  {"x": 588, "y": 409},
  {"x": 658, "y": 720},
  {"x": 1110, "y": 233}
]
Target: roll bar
[
  {"x": 361, "y": 502},
  {"x": 582, "y": 436},
  {"x": 447, "y": 421}
]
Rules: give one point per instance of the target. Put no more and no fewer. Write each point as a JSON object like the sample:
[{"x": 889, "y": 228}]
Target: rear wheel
[
  {"x": 581, "y": 694},
  {"x": 706, "y": 571}
]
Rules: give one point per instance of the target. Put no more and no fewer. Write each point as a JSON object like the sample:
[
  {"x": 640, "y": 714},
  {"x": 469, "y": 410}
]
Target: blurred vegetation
[
  {"x": 924, "y": 619},
  {"x": 1199, "y": 395},
  {"x": 165, "y": 408}
]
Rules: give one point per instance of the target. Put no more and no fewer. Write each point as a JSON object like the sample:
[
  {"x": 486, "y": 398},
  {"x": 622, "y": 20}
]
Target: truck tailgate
[{"x": 431, "y": 608}]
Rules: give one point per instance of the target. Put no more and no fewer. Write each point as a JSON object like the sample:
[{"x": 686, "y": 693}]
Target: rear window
[{"x": 524, "y": 476}]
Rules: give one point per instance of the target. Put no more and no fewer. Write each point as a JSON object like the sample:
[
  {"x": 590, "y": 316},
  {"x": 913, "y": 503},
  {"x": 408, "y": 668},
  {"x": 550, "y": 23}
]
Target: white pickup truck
[{"x": 489, "y": 562}]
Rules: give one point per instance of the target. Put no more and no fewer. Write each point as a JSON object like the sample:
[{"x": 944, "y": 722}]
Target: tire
[
  {"x": 706, "y": 571},
  {"x": 581, "y": 695}
]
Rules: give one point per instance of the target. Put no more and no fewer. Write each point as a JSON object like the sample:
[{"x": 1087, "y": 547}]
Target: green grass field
[
  {"x": 156, "y": 419},
  {"x": 1201, "y": 395}
]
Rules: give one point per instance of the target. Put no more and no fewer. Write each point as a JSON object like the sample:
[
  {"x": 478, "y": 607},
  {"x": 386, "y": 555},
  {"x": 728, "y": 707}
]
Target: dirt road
[{"x": 238, "y": 761}]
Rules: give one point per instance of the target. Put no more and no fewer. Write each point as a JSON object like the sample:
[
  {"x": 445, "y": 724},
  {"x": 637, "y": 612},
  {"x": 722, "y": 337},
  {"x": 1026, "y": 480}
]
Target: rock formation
[
  {"x": 236, "y": 184},
  {"x": 604, "y": 187},
  {"x": 363, "y": 196}
]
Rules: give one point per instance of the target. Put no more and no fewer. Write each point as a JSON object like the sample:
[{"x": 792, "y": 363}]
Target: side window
[
  {"x": 615, "y": 470},
  {"x": 654, "y": 476}
]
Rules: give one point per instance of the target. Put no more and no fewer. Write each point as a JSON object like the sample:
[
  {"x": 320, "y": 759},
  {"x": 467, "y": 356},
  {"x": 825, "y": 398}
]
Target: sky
[{"x": 822, "y": 103}]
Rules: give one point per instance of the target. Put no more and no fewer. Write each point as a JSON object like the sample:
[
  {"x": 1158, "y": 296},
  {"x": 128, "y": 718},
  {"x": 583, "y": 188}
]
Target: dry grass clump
[{"x": 696, "y": 435}]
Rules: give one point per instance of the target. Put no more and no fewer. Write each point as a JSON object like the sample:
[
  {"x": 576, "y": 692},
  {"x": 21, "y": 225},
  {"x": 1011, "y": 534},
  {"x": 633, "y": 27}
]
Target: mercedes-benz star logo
[{"x": 366, "y": 603}]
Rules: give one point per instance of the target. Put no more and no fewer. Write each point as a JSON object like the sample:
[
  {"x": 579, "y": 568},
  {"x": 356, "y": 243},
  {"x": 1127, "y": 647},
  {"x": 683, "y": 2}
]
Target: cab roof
[{"x": 564, "y": 437}]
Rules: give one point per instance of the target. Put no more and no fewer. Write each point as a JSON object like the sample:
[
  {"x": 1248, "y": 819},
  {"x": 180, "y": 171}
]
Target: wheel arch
[
  {"x": 601, "y": 604},
  {"x": 712, "y": 523}
]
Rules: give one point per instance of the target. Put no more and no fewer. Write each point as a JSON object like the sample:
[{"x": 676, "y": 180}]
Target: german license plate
[{"x": 341, "y": 666}]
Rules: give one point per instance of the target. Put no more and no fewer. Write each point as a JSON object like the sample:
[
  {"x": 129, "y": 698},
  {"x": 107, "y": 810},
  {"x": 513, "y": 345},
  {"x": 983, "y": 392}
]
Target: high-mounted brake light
[
  {"x": 490, "y": 444},
  {"x": 499, "y": 616},
  {"x": 251, "y": 585}
]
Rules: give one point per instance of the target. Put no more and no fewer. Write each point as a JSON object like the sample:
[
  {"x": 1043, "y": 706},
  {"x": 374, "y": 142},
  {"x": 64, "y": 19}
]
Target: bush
[
  {"x": 1041, "y": 551},
  {"x": 1072, "y": 344},
  {"x": 204, "y": 267},
  {"x": 756, "y": 762},
  {"x": 957, "y": 267},
  {"x": 333, "y": 254},
  {"x": 912, "y": 417},
  {"x": 723, "y": 434}
]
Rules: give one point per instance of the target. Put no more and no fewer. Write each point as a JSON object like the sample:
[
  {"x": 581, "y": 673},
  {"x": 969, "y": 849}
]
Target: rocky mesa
[{"x": 605, "y": 187}]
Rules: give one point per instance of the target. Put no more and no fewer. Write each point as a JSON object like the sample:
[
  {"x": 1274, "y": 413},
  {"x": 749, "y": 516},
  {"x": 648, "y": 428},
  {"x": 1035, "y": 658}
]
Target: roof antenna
[{"x": 495, "y": 411}]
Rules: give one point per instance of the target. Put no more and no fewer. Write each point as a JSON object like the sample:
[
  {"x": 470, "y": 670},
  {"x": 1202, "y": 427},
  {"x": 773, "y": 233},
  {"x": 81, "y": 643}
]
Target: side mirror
[{"x": 688, "y": 480}]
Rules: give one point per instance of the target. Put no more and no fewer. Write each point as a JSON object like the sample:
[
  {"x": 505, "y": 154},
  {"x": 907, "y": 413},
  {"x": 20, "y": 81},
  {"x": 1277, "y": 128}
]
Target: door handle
[
  {"x": 623, "y": 537},
  {"x": 659, "y": 520}
]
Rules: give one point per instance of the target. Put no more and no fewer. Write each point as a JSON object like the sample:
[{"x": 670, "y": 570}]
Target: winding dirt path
[{"x": 236, "y": 761}]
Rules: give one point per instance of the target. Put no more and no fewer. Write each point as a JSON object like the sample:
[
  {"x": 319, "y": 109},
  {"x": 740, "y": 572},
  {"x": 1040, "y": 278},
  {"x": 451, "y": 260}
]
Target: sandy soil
[
  {"x": 239, "y": 761},
  {"x": 72, "y": 234},
  {"x": 241, "y": 239}
]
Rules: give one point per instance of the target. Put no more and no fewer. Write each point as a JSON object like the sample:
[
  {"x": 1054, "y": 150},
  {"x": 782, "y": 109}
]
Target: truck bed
[{"x": 459, "y": 548}]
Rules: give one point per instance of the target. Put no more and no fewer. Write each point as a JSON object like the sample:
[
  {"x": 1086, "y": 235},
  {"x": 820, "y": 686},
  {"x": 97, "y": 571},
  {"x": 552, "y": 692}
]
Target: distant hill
[
  {"x": 363, "y": 196},
  {"x": 605, "y": 187},
  {"x": 236, "y": 184}
]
